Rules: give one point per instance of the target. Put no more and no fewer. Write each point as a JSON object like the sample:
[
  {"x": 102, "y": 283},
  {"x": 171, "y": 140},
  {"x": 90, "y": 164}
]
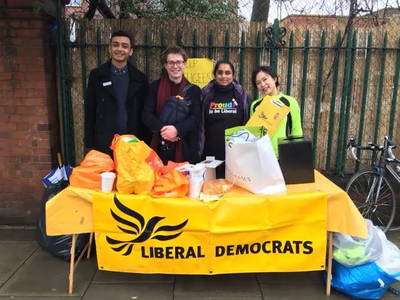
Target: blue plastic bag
[
  {"x": 366, "y": 281},
  {"x": 57, "y": 175}
]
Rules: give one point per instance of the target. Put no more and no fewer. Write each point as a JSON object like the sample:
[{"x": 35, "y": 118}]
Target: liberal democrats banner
[{"x": 279, "y": 233}]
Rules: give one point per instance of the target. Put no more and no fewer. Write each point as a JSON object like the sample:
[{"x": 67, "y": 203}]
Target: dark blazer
[
  {"x": 101, "y": 108},
  {"x": 187, "y": 129}
]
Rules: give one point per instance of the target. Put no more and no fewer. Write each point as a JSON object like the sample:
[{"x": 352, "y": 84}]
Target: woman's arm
[
  {"x": 296, "y": 118},
  {"x": 248, "y": 112},
  {"x": 254, "y": 104}
]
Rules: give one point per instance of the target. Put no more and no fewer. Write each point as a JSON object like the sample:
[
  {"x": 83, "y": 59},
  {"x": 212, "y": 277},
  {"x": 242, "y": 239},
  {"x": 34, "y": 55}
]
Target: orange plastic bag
[
  {"x": 135, "y": 163},
  {"x": 170, "y": 182},
  {"x": 88, "y": 174},
  {"x": 217, "y": 187}
]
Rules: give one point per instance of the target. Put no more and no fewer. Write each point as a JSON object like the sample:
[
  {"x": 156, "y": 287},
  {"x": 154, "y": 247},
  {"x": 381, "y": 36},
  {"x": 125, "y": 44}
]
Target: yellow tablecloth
[
  {"x": 285, "y": 233},
  {"x": 71, "y": 211}
]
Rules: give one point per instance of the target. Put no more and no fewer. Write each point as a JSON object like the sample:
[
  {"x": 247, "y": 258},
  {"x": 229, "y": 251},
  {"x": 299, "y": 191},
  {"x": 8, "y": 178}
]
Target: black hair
[
  {"x": 223, "y": 62},
  {"x": 266, "y": 69},
  {"x": 122, "y": 33}
]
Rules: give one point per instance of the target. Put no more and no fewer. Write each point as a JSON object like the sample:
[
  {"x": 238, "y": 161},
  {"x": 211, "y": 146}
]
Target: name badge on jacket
[{"x": 107, "y": 83}]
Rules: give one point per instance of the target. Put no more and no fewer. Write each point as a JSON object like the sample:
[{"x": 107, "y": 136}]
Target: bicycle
[{"x": 370, "y": 188}]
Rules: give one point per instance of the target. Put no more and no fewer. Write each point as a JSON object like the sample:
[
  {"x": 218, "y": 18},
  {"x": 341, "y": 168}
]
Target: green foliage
[
  {"x": 211, "y": 10},
  {"x": 37, "y": 6}
]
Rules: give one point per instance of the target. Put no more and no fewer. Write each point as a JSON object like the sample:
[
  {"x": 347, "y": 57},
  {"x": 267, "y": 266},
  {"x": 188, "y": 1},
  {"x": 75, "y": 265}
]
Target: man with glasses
[
  {"x": 115, "y": 96},
  {"x": 174, "y": 140}
]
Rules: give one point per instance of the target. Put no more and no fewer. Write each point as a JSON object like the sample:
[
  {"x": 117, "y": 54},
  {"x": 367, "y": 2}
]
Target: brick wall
[{"x": 28, "y": 110}]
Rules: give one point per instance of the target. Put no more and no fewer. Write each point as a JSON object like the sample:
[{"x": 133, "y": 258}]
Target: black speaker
[{"x": 295, "y": 159}]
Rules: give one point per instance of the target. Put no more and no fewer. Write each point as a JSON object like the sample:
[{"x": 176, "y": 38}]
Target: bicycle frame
[
  {"x": 385, "y": 164},
  {"x": 382, "y": 167},
  {"x": 393, "y": 172},
  {"x": 378, "y": 199}
]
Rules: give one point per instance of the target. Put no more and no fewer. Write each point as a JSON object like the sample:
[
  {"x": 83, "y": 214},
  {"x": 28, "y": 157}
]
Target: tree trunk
[
  {"x": 260, "y": 11},
  {"x": 92, "y": 9}
]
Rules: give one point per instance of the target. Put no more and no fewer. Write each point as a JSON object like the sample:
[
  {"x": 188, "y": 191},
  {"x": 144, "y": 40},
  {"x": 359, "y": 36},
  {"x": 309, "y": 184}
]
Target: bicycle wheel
[{"x": 363, "y": 189}]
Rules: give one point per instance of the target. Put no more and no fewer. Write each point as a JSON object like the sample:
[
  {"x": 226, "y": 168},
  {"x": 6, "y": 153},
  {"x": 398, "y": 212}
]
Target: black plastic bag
[
  {"x": 176, "y": 108},
  {"x": 60, "y": 245}
]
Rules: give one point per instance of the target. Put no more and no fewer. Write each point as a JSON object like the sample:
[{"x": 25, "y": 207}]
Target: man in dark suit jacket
[{"x": 115, "y": 96}]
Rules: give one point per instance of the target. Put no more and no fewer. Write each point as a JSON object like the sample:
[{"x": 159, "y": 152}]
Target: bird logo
[
  {"x": 140, "y": 229},
  {"x": 263, "y": 116}
]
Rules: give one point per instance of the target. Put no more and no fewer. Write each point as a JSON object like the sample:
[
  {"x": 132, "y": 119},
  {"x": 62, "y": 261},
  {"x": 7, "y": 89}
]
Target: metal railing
[{"x": 346, "y": 81}]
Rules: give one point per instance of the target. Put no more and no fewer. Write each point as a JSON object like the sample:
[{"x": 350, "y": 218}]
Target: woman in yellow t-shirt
[{"x": 266, "y": 81}]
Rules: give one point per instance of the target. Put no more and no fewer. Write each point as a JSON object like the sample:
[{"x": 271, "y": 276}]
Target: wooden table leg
[
  {"x": 72, "y": 264},
  {"x": 90, "y": 245},
  {"x": 329, "y": 270}
]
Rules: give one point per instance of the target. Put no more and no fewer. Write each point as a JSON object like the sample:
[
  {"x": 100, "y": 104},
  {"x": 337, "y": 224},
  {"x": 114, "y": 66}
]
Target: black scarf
[{"x": 224, "y": 88}]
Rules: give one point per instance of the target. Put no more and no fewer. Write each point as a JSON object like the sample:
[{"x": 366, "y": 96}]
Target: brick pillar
[{"x": 29, "y": 134}]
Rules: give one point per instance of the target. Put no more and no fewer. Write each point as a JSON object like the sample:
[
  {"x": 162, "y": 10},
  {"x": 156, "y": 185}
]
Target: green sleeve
[
  {"x": 254, "y": 105},
  {"x": 296, "y": 118}
]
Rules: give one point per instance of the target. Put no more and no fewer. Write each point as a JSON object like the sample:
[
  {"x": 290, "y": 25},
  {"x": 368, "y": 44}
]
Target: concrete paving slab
[
  {"x": 293, "y": 277},
  {"x": 394, "y": 236},
  {"x": 114, "y": 277},
  {"x": 21, "y": 234},
  {"x": 45, "y": 275},
  {"x": 39, "y": 298},
  {"x": 13, "y": 256},
  {"x": 389, "y": 294},
  {"x": 230, "y": 285},
  {"x": 218, "y": 298},
  {"x": 286, "y": 291},
  {"x": 161, "y": 291}
]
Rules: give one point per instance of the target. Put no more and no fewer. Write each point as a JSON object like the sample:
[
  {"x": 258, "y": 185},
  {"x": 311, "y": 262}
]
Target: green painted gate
[{"x": 345, "y": 79}]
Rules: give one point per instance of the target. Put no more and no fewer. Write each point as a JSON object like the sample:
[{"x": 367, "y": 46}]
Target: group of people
[{"x": 120, "y": 100}]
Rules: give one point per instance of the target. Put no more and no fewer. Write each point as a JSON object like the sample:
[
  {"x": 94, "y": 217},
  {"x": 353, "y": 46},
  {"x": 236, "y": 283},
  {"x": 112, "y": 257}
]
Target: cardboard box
[{"x": 211, "y": 164}]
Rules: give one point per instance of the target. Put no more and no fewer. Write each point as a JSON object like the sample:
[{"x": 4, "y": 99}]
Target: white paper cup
[
  {"x": 196, "y": 180},
  {"x": 195, "y": 188},
  {"x": 107, "y": 181}
]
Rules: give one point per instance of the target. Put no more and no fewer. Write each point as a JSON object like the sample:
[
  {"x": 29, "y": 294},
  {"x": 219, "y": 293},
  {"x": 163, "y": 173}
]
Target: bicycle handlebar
[
  {"x": 353, "y": 150},
  {"x": 392, "y": 158},
  {"x": 388, "y": 146}
]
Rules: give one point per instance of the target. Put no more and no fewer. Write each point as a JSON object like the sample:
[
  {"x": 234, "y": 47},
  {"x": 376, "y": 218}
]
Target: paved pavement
[{"x": 27, "y": 272}]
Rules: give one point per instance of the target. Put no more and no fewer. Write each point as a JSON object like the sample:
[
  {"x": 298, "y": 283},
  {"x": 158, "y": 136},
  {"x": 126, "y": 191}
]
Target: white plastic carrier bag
[{"x": 251, "y": 162}]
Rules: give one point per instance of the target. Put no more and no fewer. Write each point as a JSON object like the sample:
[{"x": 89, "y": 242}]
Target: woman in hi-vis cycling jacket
[{"x": 266, "y": 81}]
